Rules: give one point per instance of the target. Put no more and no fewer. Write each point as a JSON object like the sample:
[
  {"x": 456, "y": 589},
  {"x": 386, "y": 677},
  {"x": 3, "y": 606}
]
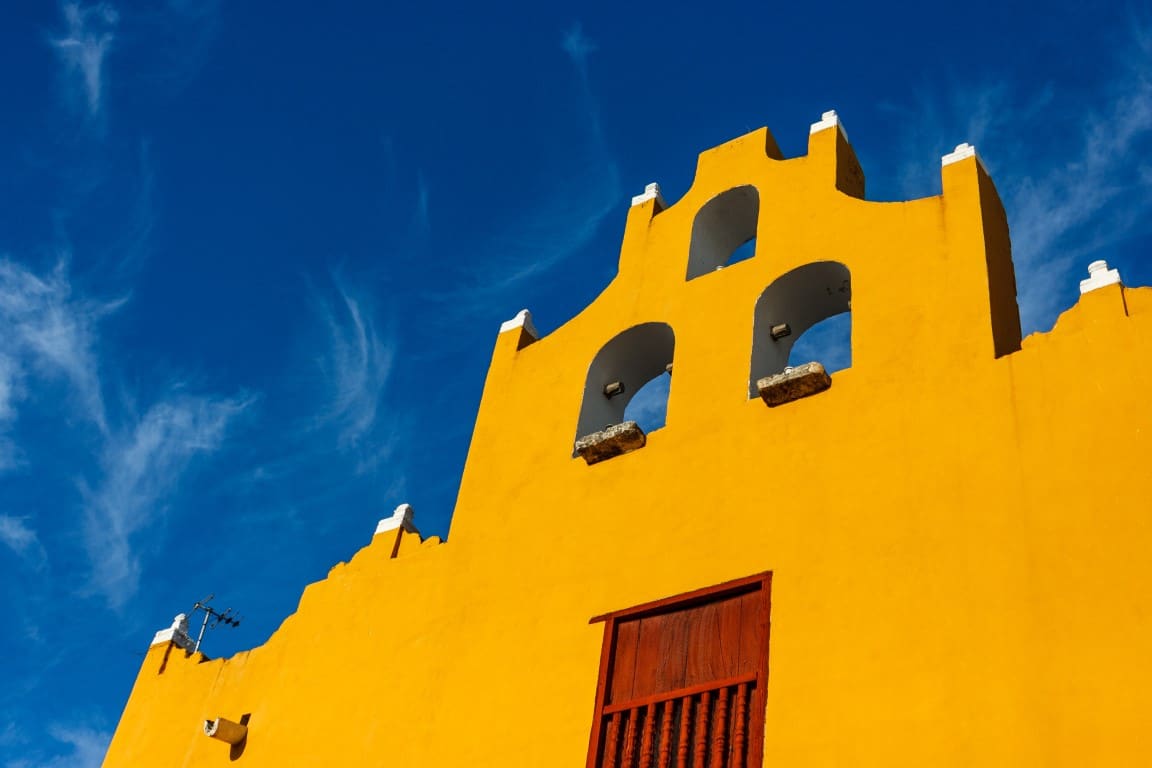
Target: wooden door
[{"x": 683, "y": 681}]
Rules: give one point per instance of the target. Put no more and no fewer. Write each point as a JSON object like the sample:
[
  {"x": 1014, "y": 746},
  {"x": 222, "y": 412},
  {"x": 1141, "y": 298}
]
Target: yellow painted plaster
[{"x": 958, "y": 529}]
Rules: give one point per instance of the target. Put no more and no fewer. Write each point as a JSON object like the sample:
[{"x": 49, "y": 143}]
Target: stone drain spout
[{"x": 225, "y": 730}]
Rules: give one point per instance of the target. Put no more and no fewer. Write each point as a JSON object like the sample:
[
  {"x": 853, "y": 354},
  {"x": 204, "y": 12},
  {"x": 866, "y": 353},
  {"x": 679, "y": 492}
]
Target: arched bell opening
[
  {"x": 724, "y": 231},
  {"x": 807, "y": 310},
  {"x": 619, "y": 373}
]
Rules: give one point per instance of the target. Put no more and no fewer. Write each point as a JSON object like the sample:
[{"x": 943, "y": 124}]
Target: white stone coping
[
  {"x": 177, "y": 633},
  {"x": 828, "y": 119},
  {"x": 963, "y": 150},
  {"x": 401, "y": 518},
  {"x": 523, "y": 320},
  {"x": 651, "y": 192},
  {"x": 1099, "y": 276}
]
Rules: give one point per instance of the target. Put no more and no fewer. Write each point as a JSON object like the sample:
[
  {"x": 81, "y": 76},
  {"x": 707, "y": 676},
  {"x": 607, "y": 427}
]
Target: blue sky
[{"x": 253, "y": 257}]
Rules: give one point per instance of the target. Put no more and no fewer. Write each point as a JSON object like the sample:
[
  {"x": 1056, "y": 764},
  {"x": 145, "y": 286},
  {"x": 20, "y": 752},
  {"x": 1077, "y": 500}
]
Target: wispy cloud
[
  {"x": 556, "y": 225},
  {"x": 578, "y": 47},
  {"x": 142, "y": 467},
  {"x": 1068, "y": 216},
  {"x": 979, "y": 115},
  {"x": 8, "y": 373},
  {"x": 348, "y": 417},
  {"x": 87, "y": 748},
  {"x": 1094, "y": 151},
  {"x": 553, "y": 229},
  {"x": 16, "y": 535},
  {"x": 357, "y": 366},
  {"x": 51, "y": 333},
  {"x": 86, "y": 41},
  {"x": 9, "y": 392}
]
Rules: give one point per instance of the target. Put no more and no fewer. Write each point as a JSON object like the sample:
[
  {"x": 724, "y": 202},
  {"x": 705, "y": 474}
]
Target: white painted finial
[
  {"x": 962, "y": 151},
  {"x": 401, "y": 518},
  {"x": 523, "y": 320},
  {"x": 177, "y": 633},
  {"x": 828, "y": 119},
  {"x": 1099, "y": 276},
  {"x": 651, "y": 192}
]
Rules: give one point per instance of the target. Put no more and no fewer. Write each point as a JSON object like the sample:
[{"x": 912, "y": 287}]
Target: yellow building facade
[{"x": 947, "y": 548}]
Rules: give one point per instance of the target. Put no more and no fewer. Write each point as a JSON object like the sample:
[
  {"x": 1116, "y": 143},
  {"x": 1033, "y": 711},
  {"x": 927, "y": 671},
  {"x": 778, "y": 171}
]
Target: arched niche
[
  {"x": 631, "y": 359},
  {"x": 792, "y": 304},
  {"x": 721, "y": 227}
]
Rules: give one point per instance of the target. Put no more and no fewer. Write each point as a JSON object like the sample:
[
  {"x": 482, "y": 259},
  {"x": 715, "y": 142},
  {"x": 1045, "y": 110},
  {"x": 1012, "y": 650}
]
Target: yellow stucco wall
[{"x": 959, "y": 529}]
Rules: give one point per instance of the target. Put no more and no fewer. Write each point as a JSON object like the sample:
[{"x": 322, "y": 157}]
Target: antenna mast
[{"x": 213, "y": 618}]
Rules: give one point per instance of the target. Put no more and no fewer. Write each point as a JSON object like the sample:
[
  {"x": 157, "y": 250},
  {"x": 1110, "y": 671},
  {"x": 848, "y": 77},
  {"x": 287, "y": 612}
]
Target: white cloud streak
[
  {"x": 560, "y": 223},
  {"x": 82, "y": 49},
  {"x": 9, "y": 393},
  {"x": 1093, "y": 192},
  {"x": 357, "y": 368},
  {"x": 979, "y": 116},
  {"x": 87, "y": 746},
  {"x": 17, "y": 536},
  {"x": 49, "y": 333},
  {"x": 578, "y": 47},
  {"x": 1073, "y": 212},
  {"x": 570, "y": 218},
  {"x": 8, "y": 384},
  {"x": 559, "y": 227},
  {"x": 142, "y": 468}
]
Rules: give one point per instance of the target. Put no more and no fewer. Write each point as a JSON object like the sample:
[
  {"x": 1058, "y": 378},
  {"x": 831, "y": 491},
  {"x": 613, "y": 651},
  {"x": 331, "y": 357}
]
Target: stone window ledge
[
  {"x": 793, "y": 384},
  {"x": 611, "y": 441}
]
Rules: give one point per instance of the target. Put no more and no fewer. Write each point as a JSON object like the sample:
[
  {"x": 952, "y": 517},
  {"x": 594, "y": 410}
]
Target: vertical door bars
[{"x": 702, "y": 730}]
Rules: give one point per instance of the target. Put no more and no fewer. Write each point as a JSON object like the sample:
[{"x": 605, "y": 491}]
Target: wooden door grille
[{"x": 682, "y": 681}]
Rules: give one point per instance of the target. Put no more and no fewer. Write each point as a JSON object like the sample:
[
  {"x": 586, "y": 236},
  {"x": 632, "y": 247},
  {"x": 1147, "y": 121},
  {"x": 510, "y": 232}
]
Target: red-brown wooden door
[{"x": 683, "y": 681}]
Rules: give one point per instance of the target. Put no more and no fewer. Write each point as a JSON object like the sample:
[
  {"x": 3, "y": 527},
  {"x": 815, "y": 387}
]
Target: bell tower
[{"x": 928, "y": 280}]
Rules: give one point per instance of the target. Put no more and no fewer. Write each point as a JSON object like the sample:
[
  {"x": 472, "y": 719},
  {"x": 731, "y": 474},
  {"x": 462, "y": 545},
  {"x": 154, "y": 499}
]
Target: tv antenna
[{"x": 213, "y": 618}]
